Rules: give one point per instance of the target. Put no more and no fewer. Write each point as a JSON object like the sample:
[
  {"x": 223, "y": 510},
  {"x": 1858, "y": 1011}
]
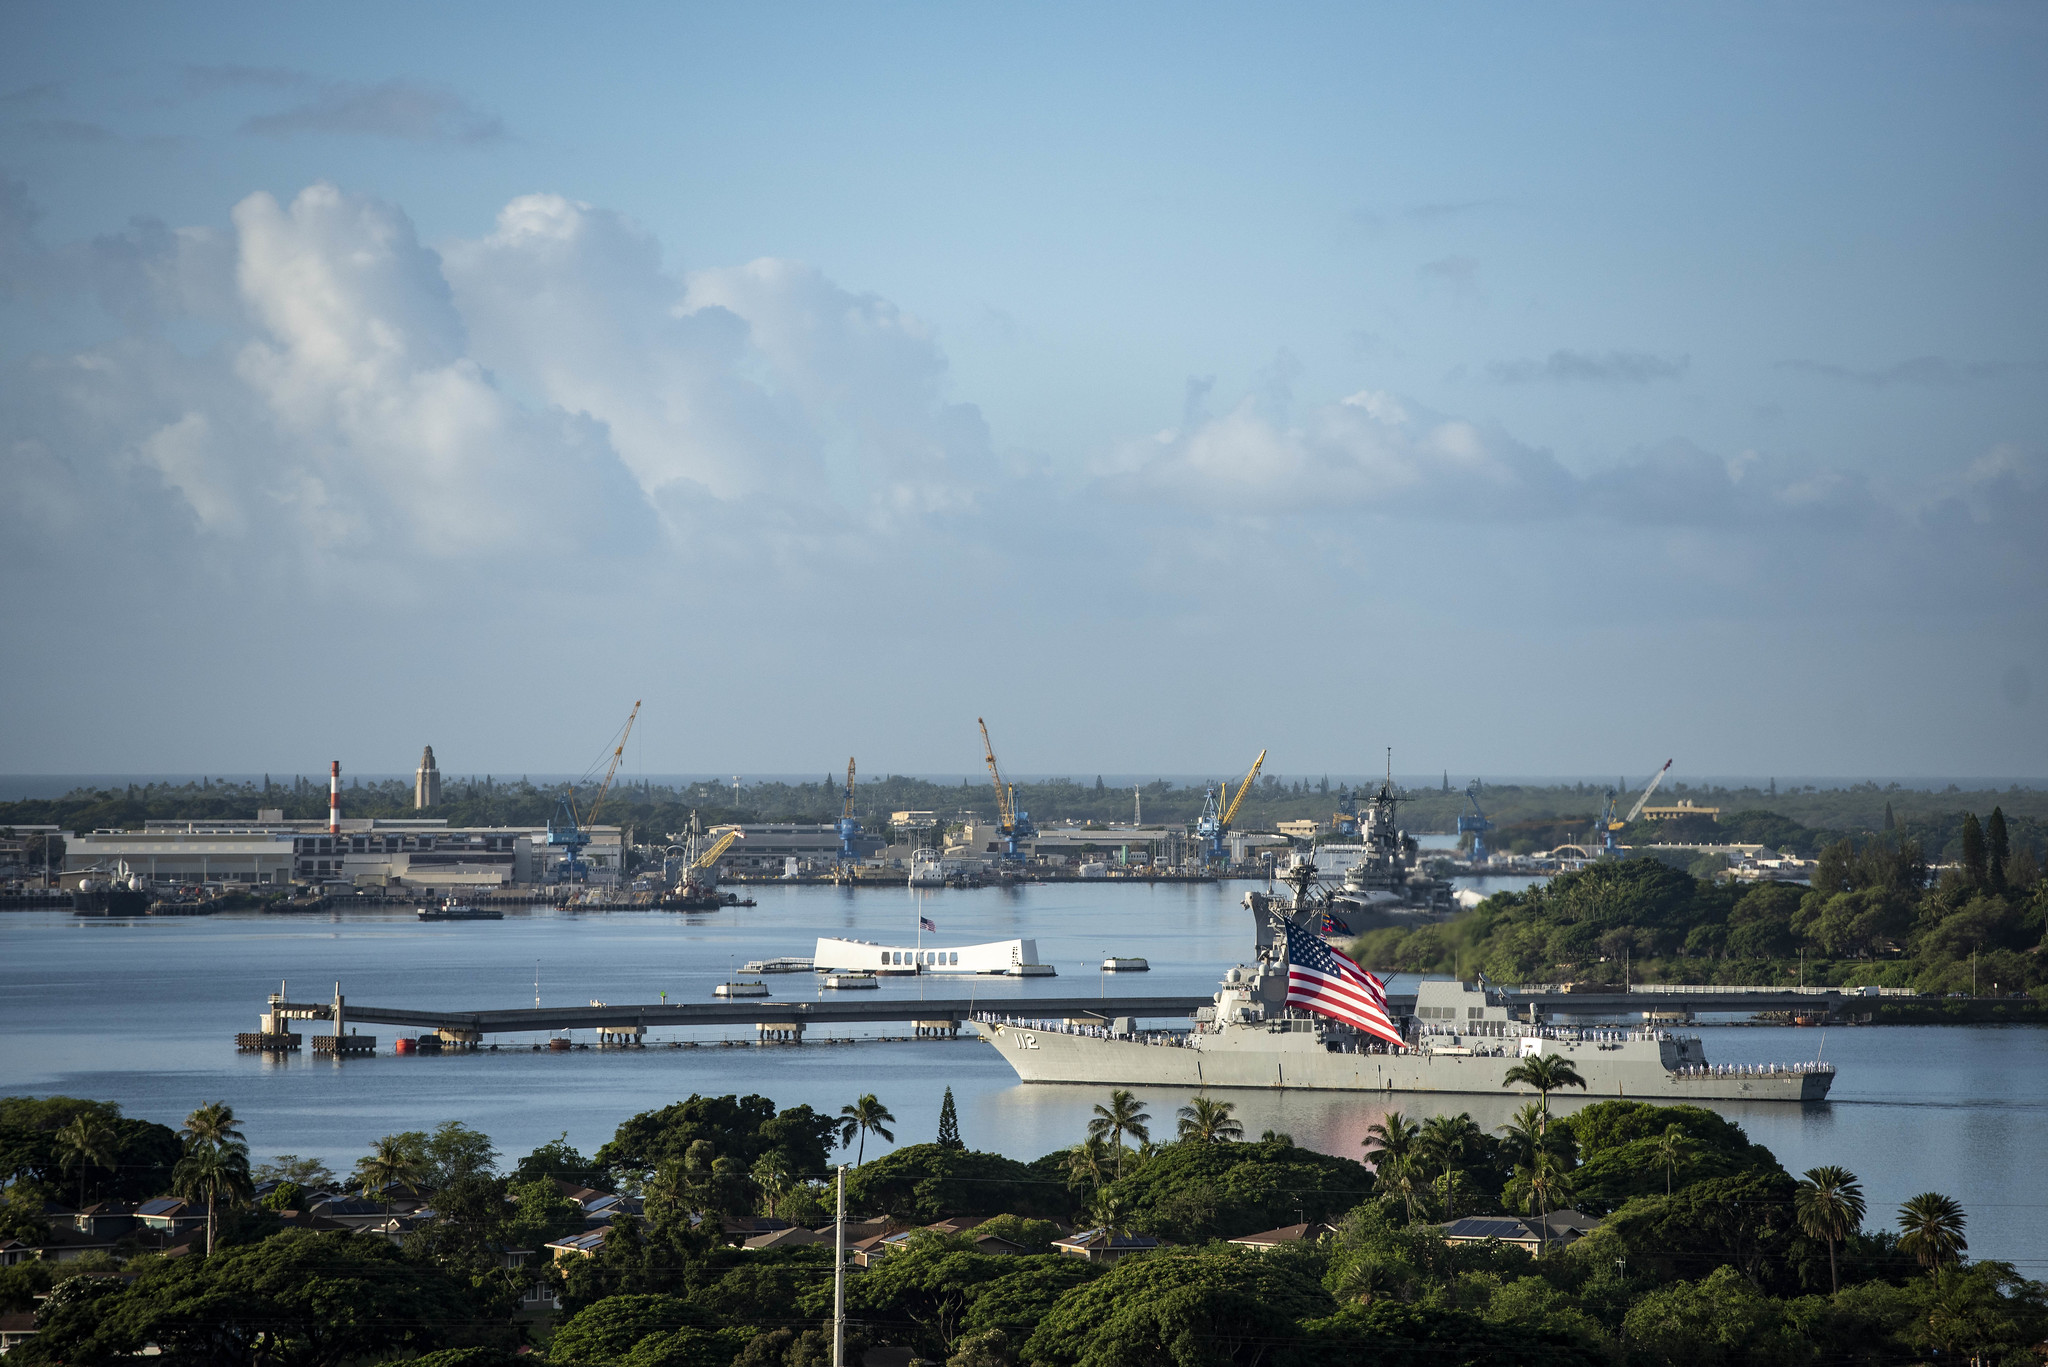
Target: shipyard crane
[
  {"x": 1014, "y": 825},
  {"x": 1220, "y": 809},
  {"x": 571, "y": 832},
  {"x": 1476, "y": 824},
  {"x": 1609, "y": 826},
  {"x": 849, "y": 825}
]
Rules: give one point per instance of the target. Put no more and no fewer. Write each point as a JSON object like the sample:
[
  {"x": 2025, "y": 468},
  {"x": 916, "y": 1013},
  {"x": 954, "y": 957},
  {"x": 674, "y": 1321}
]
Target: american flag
[
  {"x": 1329, "y": 984},
  {"x": 925, "y": 923}
]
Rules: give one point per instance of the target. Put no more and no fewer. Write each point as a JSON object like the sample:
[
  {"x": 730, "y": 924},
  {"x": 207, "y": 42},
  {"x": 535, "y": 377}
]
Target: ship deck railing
[
  {"x": 1754, "y": 1069},
  {"x": 1172, "y": 1039}
]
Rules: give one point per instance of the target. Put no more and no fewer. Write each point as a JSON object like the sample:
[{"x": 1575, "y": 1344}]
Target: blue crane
[
  {"x": 849, "y": 824},
  {"x": 1014, "y": 825},
  {"x": 571, "y": 833},
  {"x": 1475, "y": 825}
]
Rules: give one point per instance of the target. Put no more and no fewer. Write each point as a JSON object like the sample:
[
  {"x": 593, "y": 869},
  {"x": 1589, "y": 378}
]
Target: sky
[{"x": 1543, "y": 390}]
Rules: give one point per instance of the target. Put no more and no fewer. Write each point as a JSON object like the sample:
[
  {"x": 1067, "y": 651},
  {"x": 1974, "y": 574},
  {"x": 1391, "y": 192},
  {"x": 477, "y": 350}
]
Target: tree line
[{"x": 1706, "y": 1250}]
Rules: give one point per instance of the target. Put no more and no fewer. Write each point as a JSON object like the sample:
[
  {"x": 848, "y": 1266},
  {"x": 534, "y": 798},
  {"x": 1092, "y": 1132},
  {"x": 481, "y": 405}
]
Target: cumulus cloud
[
  {"x": 409, "y": 111},
  {"x": 1369, "y": 450},
  {"x": 1934, "y": 372},
  {"x": 1613, "y": 367}
]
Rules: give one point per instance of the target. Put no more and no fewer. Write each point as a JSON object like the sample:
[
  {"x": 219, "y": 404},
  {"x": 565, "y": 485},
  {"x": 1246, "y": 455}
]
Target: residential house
[
  {"x": 796, "y": 1237},
  {"x": 1106, "y": 1245},
  {"x": 1531, "y": 1235},
  {"x": 1286, "y": 1234},
  {"x": 582, "y": 1245},
  {"x": 16, "y": 1328}
]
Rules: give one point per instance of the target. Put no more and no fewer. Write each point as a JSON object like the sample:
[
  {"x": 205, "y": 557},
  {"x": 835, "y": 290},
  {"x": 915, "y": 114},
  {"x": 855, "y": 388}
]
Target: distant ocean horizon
[{"x": 25, "y": 787}]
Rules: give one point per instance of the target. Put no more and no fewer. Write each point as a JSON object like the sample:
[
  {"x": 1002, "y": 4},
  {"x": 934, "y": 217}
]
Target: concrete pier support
[
  {"x": 937, "y": 1029},
  {"x": 780, "y": 1032},
  {"x": 617, "y": 1036}
]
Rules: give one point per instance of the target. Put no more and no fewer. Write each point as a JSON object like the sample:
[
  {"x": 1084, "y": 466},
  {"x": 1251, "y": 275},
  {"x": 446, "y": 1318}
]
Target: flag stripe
[{"x": 1332, "y": 984}]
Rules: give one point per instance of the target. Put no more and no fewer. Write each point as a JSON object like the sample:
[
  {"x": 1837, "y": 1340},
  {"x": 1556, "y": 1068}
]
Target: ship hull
[{"x": 1303, "y": 1063}]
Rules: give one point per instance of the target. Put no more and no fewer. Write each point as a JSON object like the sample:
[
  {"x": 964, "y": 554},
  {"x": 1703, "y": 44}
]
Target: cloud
[
  {"x": 67, "y": 130},
  {"x": 1614, "y": 367},
  {"x": 1367, "y": 451},
  {"x": 405, "y": 110},
  {"x": 1934, "y": 372}
]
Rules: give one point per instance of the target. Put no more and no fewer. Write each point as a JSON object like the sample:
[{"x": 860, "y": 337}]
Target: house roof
[
  {"x": 784, "y": 1238},
  {"x": 590, "y": 1241},
  {"x": 1094, "y": 1240},
  {"x": 164, "y": 1205},
  {"x": 1286, "y": 1234},
  {"x": 1569, "y": 1222},
  {"x": 1477, "y": 1227}
]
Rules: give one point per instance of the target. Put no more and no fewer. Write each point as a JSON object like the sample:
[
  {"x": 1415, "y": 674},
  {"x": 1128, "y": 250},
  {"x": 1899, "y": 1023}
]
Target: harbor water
[{"x": 144, "y": 1012}]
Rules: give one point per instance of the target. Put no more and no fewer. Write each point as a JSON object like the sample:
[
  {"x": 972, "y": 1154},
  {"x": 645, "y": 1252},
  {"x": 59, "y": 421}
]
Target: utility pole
[{"x": 839, "y": 1276}]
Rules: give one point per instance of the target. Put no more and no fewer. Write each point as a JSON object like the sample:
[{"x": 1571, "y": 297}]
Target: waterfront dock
[{"x": 781, "y": 1022}]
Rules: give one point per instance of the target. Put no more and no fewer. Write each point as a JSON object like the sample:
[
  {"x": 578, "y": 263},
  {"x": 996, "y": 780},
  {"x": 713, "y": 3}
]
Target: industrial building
[
  {"x": 767, "y": 847},
  {"x": 374, "y": 852}
]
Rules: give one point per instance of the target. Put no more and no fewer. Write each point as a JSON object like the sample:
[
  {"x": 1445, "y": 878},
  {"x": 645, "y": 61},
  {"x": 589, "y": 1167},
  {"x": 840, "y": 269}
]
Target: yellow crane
[
  {"x": 1014, "y": 825},
  {"x": 1220, "y": 810},
  {"x": 717, "y": 852},
  {"x": 572, "y": 832},
  {"x": 849, "y": 824}
]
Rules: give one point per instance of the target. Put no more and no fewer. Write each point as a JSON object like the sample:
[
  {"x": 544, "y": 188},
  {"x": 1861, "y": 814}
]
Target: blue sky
[{"x": 1529, "y": 389}]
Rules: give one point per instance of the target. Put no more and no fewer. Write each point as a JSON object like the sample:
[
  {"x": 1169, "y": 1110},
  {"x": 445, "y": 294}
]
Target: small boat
[
  {"x": 452, "y": 910},
  {"x": 852, "y": 981},
  {"x": 1115, "y": 965},
  {"x": 787, "y": 964},
  {"x": 740, "y": 989}
]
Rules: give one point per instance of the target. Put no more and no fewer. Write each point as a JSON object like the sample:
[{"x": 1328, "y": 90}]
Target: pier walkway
[{"x": 779, "y": 1020}]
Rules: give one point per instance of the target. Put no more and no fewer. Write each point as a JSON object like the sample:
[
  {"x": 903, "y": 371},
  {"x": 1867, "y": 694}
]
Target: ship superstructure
[{"x": 1459, "y": 1037}]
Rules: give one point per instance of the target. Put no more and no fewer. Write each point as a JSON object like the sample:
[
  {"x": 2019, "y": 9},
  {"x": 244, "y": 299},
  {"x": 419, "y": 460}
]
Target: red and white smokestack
[{"x": 334, "y": 798}]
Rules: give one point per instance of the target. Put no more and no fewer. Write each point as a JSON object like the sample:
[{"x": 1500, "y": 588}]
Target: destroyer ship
[{"x": 1460, "y": 1037}]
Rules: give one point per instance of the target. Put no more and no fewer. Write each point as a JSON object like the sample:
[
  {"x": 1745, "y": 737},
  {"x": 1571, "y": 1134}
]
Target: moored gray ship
[{"x": 1459, "y": 1037}]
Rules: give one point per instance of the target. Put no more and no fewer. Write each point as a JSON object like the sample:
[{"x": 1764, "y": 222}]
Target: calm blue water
[{"x": 143, "y": 1012}]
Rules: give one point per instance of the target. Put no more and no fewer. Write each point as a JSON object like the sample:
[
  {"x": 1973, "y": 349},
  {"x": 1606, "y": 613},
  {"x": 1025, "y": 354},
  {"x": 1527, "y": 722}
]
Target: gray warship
[
  {"x": 1460, "y": 1037},
  {"x": 1387, "y": 886}
]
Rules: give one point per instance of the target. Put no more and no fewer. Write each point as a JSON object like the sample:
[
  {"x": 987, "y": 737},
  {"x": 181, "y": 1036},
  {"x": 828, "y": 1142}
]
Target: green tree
[
  {"x": 393, "y": 1161},
  {"x": 949, "y": 1124},
  {"x": 1547, "y": 1073},
  {"x": 1672, "y": 1148},
  {"x": 84, "y": 1144},
  {"x": 294, "y": 1300},
  {"x": 1545, "y": 1183},
  {"x": 864, "y": 1117},
  {"x": 1997, "y": 850},
  {"x": 1188, "y": 1193},
  {"x": 1446, "y": 1143},
  {"x": 1207, "y": 1121},
  {"x": 215, "y": 1173},
  {"x": 214, "y": 1123},
  {"x": 605, "y": 1331},
  {"x": 1188, "y": 1308},
  {"x": 1931, "y": 1229},
  {"x": 1829, "y": 1207},
  {"x": 1124, "y": 1115},
  {"x": 920, "y": 1183},
  {"x": 455, "y": 1151},
  {"x": 1973, "y": 851},
  {"x": 1391, "y": 1144}
]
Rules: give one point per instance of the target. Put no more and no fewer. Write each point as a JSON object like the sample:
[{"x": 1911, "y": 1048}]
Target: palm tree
[
  {"x": 1829, "y": 1205},
  {"x": 392, "y": 1161},
  {"x": 864, "y": 1117},
  {"x": 1088, "y": 1164},
  {"x": 212, "y": 1172},
  {"x": 1392, "y": 1140},
  {"x": 1673, "y": 1147},
  {"x": 1397, "y": 1178},
  {"x": 1546, "y": 1073},
  {"x": 86, "y": 1143},
  {"x": 1524, "y": 1135},
  {"x": 1931, "y": 1229},
  {"x": 213, "y": 1123},
  {"x": 1545, "y": 1183},
  {"x": 1445, "y": 1141},
  {"x": 1122, "y": 1116},
  {"x": 1209, "y": 1122}
]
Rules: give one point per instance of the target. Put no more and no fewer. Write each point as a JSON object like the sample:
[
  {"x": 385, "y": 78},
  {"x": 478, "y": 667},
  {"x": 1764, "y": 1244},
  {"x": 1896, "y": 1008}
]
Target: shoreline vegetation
[
  {"x": 1670, "y": 1239},
  {"x": 1873, "y": 917}
]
